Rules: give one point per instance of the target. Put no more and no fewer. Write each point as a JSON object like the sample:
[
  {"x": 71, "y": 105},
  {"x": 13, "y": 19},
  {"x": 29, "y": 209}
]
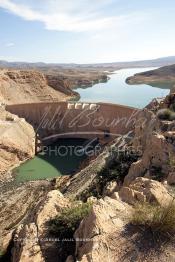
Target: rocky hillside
[
  {"x": 17, "y": 141},
  {"x": 76, "y": 77},
  {"x": 164, "y": 75},
  {"x": 23, "y": 86}
]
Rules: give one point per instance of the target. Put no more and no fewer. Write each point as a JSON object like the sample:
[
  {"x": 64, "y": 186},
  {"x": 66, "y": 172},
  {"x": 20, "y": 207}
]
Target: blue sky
[{"x": 86, "y": 31}]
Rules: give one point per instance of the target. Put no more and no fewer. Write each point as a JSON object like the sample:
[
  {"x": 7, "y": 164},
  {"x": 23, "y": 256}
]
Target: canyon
[
  {"x": 135, "y": 167},
  {"x": 146, "y": 176}
]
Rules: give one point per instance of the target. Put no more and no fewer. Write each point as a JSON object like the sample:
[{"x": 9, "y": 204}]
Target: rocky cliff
[
  {"x": 23, "y": 86},
  {"x": 17, "y": 141},
  {"x": 76, "y": 77}
]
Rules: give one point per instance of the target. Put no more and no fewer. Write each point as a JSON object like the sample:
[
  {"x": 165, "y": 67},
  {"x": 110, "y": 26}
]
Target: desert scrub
[
  {"x": 158, "y": 219},
  {"x": 65, "y": 224},
  {"x": 115, "y": 171},
  {"x": 166, "y": 114}
]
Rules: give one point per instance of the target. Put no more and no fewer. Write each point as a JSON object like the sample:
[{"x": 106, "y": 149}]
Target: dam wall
[{"x": 69, "y": 119}]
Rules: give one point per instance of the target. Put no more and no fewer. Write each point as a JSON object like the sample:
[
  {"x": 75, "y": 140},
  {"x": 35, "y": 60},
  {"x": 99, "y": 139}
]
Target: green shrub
[
  {"x": 158, "y": 219},
  {"x": 65, "y": 224},
  {"x": 165, "y": 114}
]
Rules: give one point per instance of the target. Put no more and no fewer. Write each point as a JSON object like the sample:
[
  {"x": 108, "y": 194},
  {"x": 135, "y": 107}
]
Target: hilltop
[
  {"x": 23, "y": 86},
  {"x": 162, "y": 75}
]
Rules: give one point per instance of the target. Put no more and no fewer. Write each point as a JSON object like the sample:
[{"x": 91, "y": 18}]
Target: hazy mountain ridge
[{"x": 142, "y": 63}]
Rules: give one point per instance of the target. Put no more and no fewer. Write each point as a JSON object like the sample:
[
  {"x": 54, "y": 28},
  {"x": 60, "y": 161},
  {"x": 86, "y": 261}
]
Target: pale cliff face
[
  {"x": 17, "y": 141},
  {"x": 23, "y": 86}
]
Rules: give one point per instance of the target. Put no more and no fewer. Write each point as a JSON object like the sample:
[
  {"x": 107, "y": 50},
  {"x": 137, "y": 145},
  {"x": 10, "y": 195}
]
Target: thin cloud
[
  {"x": 75, "y": 17},
  {"x": 9, "y": 44}
]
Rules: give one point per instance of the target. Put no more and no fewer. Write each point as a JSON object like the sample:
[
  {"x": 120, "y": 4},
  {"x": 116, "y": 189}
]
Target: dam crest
[{"x": 52, "y": 120}]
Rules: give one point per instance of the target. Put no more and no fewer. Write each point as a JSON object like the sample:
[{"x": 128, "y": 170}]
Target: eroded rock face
[
  {"x": 106, "y": 234},
  {"x": 52, "y": 205},
  {"x": 36, "y": 231},
  {"x": 145, "y": 190},
  {"x": 27, "y": 248},
  {"x": 106, "y": 217},
  {"x": 156, "y": 145},
  {"x": 17, "y": 141},
  {"x": 60, "y": 84},
  {"x": 24, "y": 86},
  {"x": 17, "y": 203}
]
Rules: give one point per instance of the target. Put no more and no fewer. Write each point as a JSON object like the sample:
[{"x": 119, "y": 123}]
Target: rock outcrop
[
  {"x": 27, "y": 248},
  {"x": 32, "y": 241},
  {"x": 145, "y": 190},
  {"x": 17, "y": 141},
  {"x": 18, "y": 203},
  {"x": 25, "y": 86},
  {"x": 154, "y": 138},
  {"x": 106, "y": 234},
  {"x": 93, "y": 235},
  {"x": 60, "y": 84}
]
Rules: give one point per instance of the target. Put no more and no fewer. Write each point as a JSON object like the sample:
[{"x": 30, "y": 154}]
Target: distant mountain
[{"x": 116, "y": 65}]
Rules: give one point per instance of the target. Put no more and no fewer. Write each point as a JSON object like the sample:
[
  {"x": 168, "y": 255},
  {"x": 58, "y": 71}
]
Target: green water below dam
[{"x": 63, "y": 157}]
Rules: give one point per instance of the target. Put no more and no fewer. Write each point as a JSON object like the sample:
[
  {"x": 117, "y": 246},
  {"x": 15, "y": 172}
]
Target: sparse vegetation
[
  {"x": 166, "y": 114},
  {"x": 171, "y": 160},
  {"x": 158, "y": 219},
  {"x": 65, "y": 224},
  {"x": 114, "y": 171}
]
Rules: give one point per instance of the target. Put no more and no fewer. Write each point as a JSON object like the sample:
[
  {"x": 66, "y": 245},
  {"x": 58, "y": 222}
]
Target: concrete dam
[{"x": 52, "y": 120}]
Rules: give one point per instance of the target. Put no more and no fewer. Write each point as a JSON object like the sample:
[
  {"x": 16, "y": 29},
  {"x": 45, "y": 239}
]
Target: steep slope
[
  {"x": 17, "y": 141},
  {"x": 22, "y": 86}
]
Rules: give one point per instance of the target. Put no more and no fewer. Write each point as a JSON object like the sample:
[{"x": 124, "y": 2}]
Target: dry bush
[
  {"x": 166, "y": 114},
  {"x": 158, "y": 219}
]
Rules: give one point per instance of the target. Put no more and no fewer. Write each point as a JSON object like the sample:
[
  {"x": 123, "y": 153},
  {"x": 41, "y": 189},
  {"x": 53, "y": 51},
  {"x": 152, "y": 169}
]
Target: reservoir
[{"x": 117, "y": 91}]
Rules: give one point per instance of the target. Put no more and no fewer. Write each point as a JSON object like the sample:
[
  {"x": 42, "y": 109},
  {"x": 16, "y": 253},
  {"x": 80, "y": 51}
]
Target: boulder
[
  {"x": 156, "y": 154},
  {"x": 26, "y": 245},
  {"x": 110, "y": 188},
  {"x": 52, "y": 205},
  {"x": 143, "y": 189},
  {"x": 107, "y": 216}
]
